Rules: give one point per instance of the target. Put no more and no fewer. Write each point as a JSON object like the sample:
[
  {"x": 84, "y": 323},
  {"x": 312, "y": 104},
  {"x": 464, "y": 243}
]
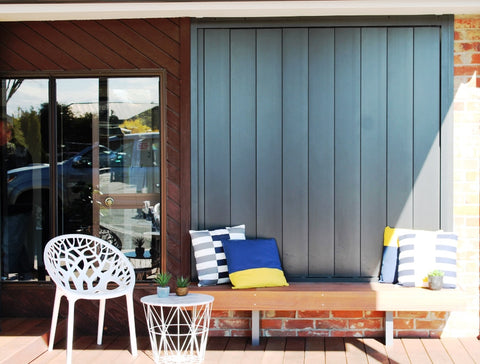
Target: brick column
[{"x": 467, "y": 163}]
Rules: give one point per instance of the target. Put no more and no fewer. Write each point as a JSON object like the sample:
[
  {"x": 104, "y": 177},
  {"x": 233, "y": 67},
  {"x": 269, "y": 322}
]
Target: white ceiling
[{"x": 228, "y": 9}]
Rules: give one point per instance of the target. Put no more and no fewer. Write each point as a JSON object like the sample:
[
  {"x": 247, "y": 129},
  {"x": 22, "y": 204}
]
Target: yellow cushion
[
  {"x": 390, "y": 235},
  {"x": 254, "y": 263},
  {"x": 258, "y": 277}
]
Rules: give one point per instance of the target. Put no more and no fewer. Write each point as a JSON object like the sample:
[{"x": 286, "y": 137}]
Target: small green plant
[
  {"x": 436, "y": 273},
  {"x": 183, "y": 281},
  {"x": 162, "y": 279},
  {"x": 139, "y": 242}
]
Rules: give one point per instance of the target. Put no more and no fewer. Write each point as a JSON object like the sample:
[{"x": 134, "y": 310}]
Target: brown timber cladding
[{"x": 130, "y": 44}]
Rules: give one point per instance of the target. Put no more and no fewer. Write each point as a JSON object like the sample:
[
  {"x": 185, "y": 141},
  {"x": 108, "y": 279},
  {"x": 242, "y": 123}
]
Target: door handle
[{"x": 109, "y": 201}]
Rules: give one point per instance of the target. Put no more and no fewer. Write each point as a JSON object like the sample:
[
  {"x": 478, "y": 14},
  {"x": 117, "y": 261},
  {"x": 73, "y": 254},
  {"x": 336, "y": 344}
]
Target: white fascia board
[{"x": 232, "y": 9}]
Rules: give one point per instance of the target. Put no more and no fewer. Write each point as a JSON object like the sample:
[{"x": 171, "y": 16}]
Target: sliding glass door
[{"x": 103, "y": 134}]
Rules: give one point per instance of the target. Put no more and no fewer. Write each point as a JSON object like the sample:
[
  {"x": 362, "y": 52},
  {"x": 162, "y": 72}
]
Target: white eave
[{"x": 231, "y": 9}]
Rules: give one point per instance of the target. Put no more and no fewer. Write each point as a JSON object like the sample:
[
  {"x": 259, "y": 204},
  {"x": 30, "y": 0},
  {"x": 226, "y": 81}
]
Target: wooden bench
[{"x": 334, "y": 296}]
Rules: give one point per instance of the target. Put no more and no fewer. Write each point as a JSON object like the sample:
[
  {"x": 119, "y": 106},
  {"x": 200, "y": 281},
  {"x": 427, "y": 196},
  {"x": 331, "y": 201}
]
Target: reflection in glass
[
  {"x": 24, "y": 177},
  {"x": 75, "y": 153},
  {"x": 113, "y": 184},
  {"x": 107, "y": 144}
]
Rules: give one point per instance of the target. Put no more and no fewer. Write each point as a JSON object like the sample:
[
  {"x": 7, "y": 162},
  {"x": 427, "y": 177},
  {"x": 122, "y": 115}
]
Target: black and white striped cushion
[{"x": 210, "y": 259}]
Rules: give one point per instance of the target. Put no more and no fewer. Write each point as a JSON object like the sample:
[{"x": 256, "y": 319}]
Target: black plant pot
[{"x": 139, "y": 252}]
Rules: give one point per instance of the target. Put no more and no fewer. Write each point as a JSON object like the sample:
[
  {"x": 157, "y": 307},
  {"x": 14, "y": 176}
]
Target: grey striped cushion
[
  {"x": 446, "y": 258},
  {"x": 210, "y": 259},
  {"x": 423, "y": 252}
]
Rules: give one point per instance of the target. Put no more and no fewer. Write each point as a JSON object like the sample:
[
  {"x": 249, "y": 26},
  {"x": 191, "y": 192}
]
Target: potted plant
[
  {"x": 162, "y": 279},
  {"x": 435, "y": 279},
  {"x": 139, "y": 249},
  {"x": 182, "y": 285}
]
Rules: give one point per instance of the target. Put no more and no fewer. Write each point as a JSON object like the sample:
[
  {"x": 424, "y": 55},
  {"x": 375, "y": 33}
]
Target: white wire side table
[{"x": 178, "y": 326}]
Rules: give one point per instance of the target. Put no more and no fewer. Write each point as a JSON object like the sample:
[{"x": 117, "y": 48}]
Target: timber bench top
[{"x": 335, "y": 296}]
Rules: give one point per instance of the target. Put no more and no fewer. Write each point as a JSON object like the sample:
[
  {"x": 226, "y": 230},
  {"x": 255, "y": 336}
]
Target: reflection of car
[
  {"x": 28, "y": 190},
  {"x": 132, "y": 158},
  {"x": 72, "y": 174},
  {"x": 135, "y": 159}
]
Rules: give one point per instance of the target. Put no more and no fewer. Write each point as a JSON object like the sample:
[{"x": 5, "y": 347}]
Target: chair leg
[
  {"x": 131, "y": 324},
  {"x": 53, "y": 327},
  {"x": 71, "y": 316},
  {"x": 101, "y": 319}
]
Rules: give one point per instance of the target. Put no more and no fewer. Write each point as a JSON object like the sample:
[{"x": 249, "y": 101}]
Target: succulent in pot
[
  {"x": 162, "y": 279},
  {"x": 182, "y": 285},
  {"x": 435, "y": 279}
]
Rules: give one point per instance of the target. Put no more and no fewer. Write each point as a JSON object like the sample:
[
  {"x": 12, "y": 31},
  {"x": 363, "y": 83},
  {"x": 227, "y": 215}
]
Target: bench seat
[{"x": 342, "y": 296}]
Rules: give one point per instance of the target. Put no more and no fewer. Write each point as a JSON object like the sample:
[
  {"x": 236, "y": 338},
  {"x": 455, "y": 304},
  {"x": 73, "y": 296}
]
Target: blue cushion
[
  {"x": 388, "y": 270},
  {"x": 254, "y": 263}
]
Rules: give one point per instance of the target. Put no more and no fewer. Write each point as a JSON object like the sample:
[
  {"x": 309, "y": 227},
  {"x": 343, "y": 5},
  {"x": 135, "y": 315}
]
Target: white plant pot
[
  {"x": 435, "y": 282},
  {"x": 163, "y": 292}
]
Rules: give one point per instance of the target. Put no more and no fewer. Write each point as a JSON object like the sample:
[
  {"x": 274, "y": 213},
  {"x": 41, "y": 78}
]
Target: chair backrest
[{"x": 87, "y": 265}]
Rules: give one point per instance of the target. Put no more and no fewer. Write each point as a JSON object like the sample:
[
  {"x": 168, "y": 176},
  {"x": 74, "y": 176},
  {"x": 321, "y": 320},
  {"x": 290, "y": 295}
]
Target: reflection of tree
[
  {"x": 146, "y": 121},
  {"x": 76, "y": 130},
  {"x": 151, "y": 118},
  {"x": 136, "y": 126},
  {"x": 12, "y": 86},
  {"x": 31, "y": 126},
  {"x": 26, "y": 129}
]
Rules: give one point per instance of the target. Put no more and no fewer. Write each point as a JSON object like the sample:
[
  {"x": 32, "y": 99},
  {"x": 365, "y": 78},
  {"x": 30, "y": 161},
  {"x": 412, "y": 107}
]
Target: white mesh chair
[{"x": 87, "y": 267}]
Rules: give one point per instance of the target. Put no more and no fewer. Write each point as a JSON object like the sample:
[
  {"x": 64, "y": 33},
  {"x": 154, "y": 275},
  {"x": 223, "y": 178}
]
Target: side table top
[{"x": 191, "y": 299}]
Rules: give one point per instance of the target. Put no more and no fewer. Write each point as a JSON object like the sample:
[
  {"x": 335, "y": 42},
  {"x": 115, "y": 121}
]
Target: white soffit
[{"x": 232, "y": 9}]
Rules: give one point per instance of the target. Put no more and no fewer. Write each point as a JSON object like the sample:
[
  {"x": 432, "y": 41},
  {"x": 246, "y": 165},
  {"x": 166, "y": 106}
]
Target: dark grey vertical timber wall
[
  {"x": 373, "y": 146},
  {"x": 321, "y": 134}
]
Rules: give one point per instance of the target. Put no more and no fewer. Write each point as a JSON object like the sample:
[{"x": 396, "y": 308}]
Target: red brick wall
[
  {"x": 329, "y": 323},
  {"x": 467, "y": 49},
  {"x": 466, "y": 205}
]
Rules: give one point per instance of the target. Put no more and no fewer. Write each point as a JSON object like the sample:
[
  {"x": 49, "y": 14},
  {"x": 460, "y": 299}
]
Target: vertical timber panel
[
  {"x": 321, "y": 157},
  {"x": 333, "y": 134},
  {"x": 269, "y": 134},
  {"x": 217, "y": 127},
  {"x": 400, "y": 127},
  {"x": 185, "y": 35},
  {"x": 373, "y": 144},
  {"x": 446, "y": 120},
  {"x": 426, "y": 144},
  {"x": 197, "y": 146},
  {"x": 295, "y": 150},
  {"x": 243, "y": 143},
  {"x": 347, "y": 152}
]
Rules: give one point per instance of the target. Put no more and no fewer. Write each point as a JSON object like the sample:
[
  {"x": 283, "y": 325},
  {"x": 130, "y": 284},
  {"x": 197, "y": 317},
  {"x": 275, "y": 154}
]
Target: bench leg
[
  {"x": 255, "y": 328},
  {"x": 388, "y": 328}
]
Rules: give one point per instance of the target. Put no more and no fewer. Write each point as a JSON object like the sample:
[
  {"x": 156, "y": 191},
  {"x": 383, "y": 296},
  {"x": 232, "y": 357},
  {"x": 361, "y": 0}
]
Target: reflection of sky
[
  {"x": 32, "y": 93},
  {"x": 135, "y": 90},
  {"x": 77, "y": 90}
]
